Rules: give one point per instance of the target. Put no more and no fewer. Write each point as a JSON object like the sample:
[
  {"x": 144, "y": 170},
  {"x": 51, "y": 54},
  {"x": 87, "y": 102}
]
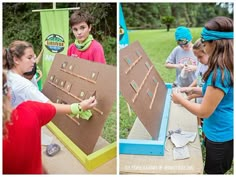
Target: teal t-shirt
[{"x": 219, "y": 126}]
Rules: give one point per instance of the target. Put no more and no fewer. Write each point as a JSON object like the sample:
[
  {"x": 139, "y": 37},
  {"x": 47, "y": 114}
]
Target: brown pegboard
[
  {"x": 72, "y": 80},
  {"x": 142, "y": 87}
]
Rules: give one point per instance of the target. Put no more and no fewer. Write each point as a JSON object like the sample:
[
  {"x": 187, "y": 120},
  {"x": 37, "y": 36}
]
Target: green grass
[
  {"x": 126, "y": 119},
  {"x": 110, "y": 127}
]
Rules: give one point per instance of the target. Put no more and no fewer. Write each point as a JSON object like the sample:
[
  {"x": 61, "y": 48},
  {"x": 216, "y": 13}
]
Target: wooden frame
[
  {"x": 91, "y": 161},
  {"x": 148, "y": 95},
  {"x": 149, "y": 147}
]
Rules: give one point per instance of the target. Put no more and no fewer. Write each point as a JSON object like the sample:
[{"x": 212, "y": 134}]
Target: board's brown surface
[
  {"x": 142, "y": 87},
  {"x": 71, "y": 80}
]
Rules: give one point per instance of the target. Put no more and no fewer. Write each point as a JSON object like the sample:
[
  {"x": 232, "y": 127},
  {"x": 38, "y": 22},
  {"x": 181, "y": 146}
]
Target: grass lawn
[
  {"x": 157, "y": 44},
  {"x": 110, "y": 127}
]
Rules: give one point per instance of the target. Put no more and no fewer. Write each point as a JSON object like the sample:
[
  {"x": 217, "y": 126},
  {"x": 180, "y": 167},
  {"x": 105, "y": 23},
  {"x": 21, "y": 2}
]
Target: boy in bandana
[{"x": 182, "y": 58}]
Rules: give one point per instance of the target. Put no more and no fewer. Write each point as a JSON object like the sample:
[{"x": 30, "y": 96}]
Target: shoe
[{"x": 52, "y": 149}]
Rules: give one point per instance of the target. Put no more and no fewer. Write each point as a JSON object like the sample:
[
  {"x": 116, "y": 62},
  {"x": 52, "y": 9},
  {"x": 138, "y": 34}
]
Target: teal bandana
[
  {"x": 208, "y": 35},
  {"x": 83, "y": 46}
]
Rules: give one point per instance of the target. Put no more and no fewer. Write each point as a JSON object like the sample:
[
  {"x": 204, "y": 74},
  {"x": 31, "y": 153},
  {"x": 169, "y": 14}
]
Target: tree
[
  {"x": 167, "y": 20},
  {"x": 20, "y": 23},
  {"x": 146, "y": 15}
]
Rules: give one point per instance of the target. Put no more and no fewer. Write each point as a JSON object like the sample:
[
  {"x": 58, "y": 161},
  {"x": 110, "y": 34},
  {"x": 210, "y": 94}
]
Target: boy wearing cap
[{"x": 182, "y": 58}]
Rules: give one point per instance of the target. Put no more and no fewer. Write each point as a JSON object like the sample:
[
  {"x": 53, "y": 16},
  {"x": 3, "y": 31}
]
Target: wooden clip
[
  {"x": 73, "y": 119},
  {"x": 154, "y": 79},
  {"x": 71, "y": 67},
  {"x": 128, "y": 61},
  {"x": 142, "y": 84},
  {"x": 134, "y": 86},
  {"x": 94, "y": 75},
  {"x": 52, "y": 78},
  {"x": 133, "y": 64},
  {"x": 68, "y": 86},
  {"x": 63, "y": 65},
  {"x": 147, "y": 65},
  {"x": 77, "y": 75},
  {"x": 149, "y": 93},
  {"x": 138, "y": 53},
  {"x": 154, "y": 95}
]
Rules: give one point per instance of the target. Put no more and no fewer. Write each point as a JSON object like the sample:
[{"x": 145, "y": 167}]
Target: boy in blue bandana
[{"x": 182, "y": 58}]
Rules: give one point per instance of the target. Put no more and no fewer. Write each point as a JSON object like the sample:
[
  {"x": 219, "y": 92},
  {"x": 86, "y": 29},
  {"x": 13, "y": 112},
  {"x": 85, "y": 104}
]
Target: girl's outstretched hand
[{"x": 88, "y": 103}]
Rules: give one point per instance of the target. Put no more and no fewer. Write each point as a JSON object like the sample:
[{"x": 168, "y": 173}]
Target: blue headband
[{"x": 209, "y": 35}]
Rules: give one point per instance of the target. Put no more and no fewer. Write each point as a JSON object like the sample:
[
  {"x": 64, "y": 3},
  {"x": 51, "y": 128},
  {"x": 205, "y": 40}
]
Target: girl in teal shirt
[{"x": 217, "y": 104}]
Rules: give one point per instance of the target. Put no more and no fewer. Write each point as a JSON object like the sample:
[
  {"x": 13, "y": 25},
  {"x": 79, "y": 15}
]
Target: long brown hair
[
  {"x": 222, "y": 55},
  {"x": 6, "y": 104}
]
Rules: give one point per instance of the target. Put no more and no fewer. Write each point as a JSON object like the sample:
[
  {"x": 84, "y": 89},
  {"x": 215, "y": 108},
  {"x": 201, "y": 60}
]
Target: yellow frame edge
[{"x": 91, "y": 161}]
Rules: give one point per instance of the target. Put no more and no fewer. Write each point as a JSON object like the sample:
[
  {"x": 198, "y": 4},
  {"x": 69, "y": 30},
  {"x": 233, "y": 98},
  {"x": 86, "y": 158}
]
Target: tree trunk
[{"x": 168, "y": 27}]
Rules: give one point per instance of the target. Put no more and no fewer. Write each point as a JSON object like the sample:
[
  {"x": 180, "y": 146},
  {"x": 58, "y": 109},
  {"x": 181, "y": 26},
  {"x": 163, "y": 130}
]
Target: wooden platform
[
  {"x": 65, "y": 163},
  {"x": 142, "y": 164}
]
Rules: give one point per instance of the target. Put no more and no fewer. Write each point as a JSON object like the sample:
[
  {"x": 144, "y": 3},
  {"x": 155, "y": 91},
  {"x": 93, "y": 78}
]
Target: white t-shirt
[
  {"x": 23, "y": 89},
  {"x": 34, "y": 80},
  {"x": 201, "y": 69}
]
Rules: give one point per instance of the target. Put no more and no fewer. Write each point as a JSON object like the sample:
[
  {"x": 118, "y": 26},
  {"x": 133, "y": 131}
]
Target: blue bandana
[
  {"x": 210, "y": 35},
  {"x": 182, "y": 33}
]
